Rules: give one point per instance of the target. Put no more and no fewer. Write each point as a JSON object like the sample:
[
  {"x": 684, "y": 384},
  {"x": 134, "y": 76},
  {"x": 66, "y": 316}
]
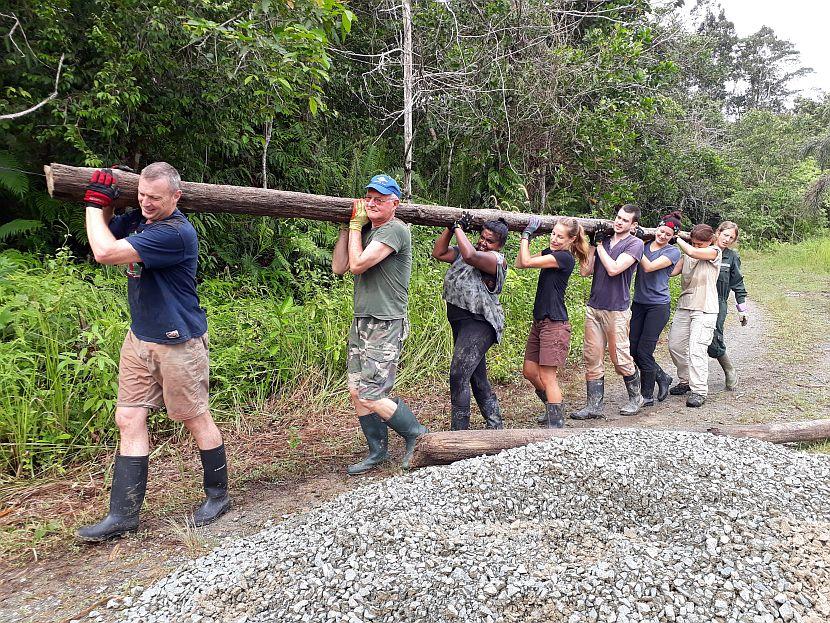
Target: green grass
[{"x": 62, "y": 323}]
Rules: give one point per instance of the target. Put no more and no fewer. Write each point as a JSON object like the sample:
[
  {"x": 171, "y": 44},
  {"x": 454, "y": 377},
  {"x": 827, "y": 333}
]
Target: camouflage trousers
[{"x": 374, "y": 349}]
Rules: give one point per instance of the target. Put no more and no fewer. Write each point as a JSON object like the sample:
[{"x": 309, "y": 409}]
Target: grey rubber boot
[
  {"x": 129, "y": 484},
  {"x": 404, "y": 423},
  {"x": 592, "y": 410},
  {"x": 544, "y": 398},
  {"x": 217, "y": 501},
  {"x": 728, "y": 371},
  {"x": 663, "y": 384},
  {"x": 554, "y": 414},
  {"x": 460, "y": 418},
  {"x": 635, "y": 398},
  {"x": 647, "y": 379},
  {"x": 377, "y": 437},
  {"x": 492, "y": 413}
]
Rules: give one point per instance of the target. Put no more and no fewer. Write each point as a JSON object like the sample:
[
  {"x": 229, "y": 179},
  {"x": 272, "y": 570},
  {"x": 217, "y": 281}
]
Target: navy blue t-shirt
[
  {"x": 550, "y": 292},
  {"x": 161, "y": 288},
  {"x": 653, "y": 288}
]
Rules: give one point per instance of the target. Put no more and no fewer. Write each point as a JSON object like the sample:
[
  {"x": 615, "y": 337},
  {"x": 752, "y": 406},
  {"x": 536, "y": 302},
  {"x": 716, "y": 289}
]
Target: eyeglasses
[{"x": 377, "y": 199}]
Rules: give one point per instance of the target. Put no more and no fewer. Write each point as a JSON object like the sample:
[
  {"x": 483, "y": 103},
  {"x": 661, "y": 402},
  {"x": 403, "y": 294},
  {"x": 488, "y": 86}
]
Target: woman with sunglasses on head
[
  {"x": 696, "y": 314},
  {"x": 550, "y": 334},
  {"x": 471, "y": 290},
  {"x": 651, "y": 307},
  {"x": 730, "y": 279}
]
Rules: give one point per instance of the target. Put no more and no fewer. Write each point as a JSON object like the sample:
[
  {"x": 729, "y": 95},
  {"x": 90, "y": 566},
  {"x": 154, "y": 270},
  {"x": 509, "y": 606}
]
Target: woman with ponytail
[
  {"x": 471, "y": 289},
  {"x": 651, "y": 307},
  {"x": 550, "y": 334}
]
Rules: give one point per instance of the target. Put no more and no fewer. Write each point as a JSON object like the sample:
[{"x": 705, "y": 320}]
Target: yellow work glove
[{"x": 359, "y": 217}]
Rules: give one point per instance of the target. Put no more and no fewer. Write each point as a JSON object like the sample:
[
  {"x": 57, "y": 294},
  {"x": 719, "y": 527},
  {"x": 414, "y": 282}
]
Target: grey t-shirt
[
  {"x": 653, "y": 288},
  {"x": 614, "y": 293},
  {"x": 382, "y": 292}
]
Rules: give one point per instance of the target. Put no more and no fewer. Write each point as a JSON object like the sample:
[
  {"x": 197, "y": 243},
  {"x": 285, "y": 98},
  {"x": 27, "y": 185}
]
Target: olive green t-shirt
[{"x": 382, "y": 292}]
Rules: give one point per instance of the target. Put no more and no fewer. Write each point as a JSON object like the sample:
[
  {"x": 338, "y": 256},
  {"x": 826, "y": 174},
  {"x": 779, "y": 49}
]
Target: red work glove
[{"x": 102, "y": 189}]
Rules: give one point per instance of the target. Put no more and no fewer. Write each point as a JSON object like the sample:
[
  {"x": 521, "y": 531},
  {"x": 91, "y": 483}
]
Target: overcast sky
[{"x": 805, "y": 23}]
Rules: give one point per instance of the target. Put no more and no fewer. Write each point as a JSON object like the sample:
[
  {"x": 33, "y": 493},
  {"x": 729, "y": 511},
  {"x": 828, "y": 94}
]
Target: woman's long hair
[{"x": 579, "y": 247}]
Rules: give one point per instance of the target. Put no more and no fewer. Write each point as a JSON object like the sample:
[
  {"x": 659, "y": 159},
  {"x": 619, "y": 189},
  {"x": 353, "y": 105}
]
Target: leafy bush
[{"x": 62, "y": 324}]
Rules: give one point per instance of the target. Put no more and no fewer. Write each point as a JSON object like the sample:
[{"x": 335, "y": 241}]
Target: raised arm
[
  {"x": 441, "y": 250},
  {"x": 615, "y": 267},
  {"x": 586, "y": 269},
  {"x": 705, "y": 253},
  {"x": 658, "y": 264},
  {"x": 485, "y": 261},
  {"x": 678, "y": 268}
]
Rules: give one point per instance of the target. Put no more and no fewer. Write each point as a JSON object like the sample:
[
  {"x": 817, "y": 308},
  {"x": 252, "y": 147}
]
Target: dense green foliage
[{"x": 531, "y": 106}]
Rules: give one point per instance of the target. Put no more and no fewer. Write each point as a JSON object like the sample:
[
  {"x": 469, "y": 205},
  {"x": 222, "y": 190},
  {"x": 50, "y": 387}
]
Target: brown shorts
[
  {"x": 548, "y": 342},
  {"x": 174, "y": 376}
]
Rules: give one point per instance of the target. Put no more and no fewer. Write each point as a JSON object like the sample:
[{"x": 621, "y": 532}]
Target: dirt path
[{"x": 71, "y": 580}]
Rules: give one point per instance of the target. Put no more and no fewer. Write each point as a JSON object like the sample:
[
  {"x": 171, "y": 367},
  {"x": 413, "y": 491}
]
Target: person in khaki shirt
[{"x": 697, "y": 312}]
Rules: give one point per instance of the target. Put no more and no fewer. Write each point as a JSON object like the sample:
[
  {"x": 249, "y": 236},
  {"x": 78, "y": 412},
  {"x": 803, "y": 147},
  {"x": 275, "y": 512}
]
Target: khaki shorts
[
  {"x": 174, "y": 376},
  {"x": 548, "y": 342},
  {"x": 374, "y": 350}
]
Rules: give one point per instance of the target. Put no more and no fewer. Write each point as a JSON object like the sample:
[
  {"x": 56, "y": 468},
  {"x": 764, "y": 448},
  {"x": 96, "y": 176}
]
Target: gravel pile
[{"x": 613, "y": 525}]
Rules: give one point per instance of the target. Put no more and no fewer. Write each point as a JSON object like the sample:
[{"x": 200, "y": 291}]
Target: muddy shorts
[
  {"x": 174, "y": 376},
  {"x": 548, "y": 342},
  {"x": 374, "y": 350}
]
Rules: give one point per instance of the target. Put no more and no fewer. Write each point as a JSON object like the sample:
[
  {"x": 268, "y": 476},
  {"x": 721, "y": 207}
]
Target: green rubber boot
[{"x": 404, "y": 423}]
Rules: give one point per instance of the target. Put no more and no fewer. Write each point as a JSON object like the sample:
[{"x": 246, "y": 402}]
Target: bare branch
[{"x": 53, "y": 95}]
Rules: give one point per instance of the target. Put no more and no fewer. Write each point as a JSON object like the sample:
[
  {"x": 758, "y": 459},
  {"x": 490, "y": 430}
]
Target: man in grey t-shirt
[
  {"x": 380, "y": 258},
  {"x": 607, "y": 314}
]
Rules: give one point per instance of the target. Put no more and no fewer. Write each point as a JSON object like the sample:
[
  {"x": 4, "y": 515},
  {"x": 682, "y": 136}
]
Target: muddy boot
[
  {"x": 592, "y": 410},
  {"x": 695, "y": 400},
  {"x": 663, "y": 383},
  {"x": 492, "y": 413},
  {"x": 544, "y": 398},
  {"x": 404, "y": 423},
  {"x": 129, "y": 484},
  {"x": 460, "y": 419},
  {"x": 554, "y": 415},
  {"x": 728, "y": 371},
  {"x": 680, "y": 389},
  {"x": 377, "y": 437},
  {"x": 647, "y": 378},
  {"x": 217, "y": 502},
  {"x": 635, "y": 398}
]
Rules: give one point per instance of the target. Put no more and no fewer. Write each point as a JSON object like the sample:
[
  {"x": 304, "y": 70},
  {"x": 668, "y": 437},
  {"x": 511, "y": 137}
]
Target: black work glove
[
  {"x": 102, "y": 189},
  {"x": 639, "y": 232},
  {"x": 532, "y": 225},
  {"x": 602, "y": 233},
  {"x": 465, "y": 222}
]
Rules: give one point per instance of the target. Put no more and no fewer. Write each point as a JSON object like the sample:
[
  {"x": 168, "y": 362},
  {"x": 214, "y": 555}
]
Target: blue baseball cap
[{"x": 385, "y": 185}]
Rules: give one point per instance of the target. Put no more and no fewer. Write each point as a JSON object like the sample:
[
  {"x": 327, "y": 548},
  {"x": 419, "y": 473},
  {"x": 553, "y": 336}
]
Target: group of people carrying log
[{"x": 164, "y": 357}]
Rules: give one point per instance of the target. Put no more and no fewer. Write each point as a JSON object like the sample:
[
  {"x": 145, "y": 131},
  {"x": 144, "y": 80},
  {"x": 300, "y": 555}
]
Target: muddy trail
[{"x": 68, "y": 581}]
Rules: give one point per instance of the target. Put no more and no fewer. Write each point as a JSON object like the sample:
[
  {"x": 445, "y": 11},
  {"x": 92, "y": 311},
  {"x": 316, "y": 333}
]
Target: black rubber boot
[
  {"x": 635, "y": 398},
  {"x": 554, "y": 414},
  {"x": 129, "y": 484},
  {"x": 460, "y": 418},
  {"x": 647, "y": 379},
  {"x": 592, "y": 410},
  {"x": 404, "y": 423},
  {"x": 492, "y": 413},
  {"x": 663, "y": 383},
  {"x": 377, "y": 436},
  {"x": 217, "y": 501},
  {"x": 695, "y": 400},
  {"x": 680, "y": 389},
  {"x": 544, "y": 398},
  {"x": 731, "y": 377}
]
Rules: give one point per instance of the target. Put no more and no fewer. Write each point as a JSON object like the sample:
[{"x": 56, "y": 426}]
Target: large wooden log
[
  {"x": 446, "y": 447},
  {"x": 65, "y": 182},
  {"x": 443, "y": 448},
  {"x": 779, "y": 432}
]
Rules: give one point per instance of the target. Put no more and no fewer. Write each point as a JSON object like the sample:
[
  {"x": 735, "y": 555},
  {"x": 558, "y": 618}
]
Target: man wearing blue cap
[{"x": 377, "y": 249}]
